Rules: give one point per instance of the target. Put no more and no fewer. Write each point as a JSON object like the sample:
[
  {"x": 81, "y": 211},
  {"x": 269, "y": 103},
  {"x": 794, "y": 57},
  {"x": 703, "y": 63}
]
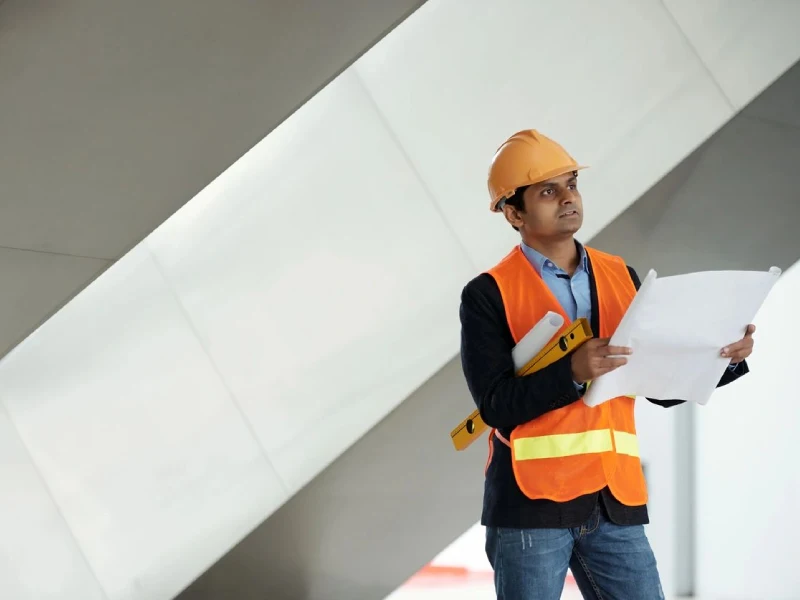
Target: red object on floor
[{"x": 436, "y": 575}]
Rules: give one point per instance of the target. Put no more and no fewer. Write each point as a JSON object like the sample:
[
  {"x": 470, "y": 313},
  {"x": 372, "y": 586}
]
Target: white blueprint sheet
[{"x": 676, "y": 327}]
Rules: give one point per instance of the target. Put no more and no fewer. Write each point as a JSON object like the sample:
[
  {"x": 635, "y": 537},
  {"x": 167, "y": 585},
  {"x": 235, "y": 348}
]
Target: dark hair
[{"x": 518, "y": 201}]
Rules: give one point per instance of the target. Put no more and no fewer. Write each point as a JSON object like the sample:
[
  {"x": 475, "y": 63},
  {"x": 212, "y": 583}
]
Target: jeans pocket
[{"x": 530, "y": 540}]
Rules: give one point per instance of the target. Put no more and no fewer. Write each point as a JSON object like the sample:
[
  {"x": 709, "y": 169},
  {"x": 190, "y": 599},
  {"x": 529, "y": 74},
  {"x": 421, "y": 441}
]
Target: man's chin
[{"x": 570, "y": 228}]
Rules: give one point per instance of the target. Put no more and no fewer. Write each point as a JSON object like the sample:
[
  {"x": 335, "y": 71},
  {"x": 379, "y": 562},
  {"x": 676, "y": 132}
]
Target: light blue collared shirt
[{"x": 573, "y": 293}]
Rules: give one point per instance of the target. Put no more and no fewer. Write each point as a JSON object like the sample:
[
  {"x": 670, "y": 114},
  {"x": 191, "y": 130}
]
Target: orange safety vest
[{"x": 576, "y": 449}]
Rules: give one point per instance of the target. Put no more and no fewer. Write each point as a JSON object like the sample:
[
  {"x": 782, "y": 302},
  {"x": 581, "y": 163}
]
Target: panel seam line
[
  {"x": 51, "y": 495},
  {"x": 53, "y": 253},
  {"x": 694, "y": 50},
  {"x": 407, "y": 157},
  {"x": 215, "y": 367}
]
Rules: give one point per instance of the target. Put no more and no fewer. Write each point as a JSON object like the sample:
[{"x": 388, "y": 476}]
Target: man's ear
[{"x": 512, "y": 216}]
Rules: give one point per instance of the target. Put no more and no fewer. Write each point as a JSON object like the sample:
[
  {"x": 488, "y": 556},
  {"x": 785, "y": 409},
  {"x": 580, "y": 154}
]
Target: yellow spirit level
[{"x": 578, "y": 333}]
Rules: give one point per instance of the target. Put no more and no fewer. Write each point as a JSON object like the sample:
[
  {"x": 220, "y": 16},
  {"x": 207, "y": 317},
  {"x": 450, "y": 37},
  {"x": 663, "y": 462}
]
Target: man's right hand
[{"x": 595, "y": 358}]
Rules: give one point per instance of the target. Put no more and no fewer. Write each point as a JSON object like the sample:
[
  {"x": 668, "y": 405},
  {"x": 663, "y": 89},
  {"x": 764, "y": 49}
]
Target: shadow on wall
[{"x": 732, "y": 204}]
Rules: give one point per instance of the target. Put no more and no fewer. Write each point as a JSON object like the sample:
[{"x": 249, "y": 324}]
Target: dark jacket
[{"x": 506, "y": 401}]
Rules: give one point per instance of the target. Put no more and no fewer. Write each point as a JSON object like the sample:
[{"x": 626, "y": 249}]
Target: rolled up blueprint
[{"x": 536, "y": 339}]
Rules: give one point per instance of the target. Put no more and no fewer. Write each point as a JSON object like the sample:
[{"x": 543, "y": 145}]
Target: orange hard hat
[{"x": 527, "y": 157}]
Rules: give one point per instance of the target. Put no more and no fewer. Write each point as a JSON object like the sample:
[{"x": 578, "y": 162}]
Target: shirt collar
[{"x": 540, "y": 262}]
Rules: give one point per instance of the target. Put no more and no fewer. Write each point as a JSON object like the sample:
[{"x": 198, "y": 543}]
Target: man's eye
[{"x": 547, "y": 191}]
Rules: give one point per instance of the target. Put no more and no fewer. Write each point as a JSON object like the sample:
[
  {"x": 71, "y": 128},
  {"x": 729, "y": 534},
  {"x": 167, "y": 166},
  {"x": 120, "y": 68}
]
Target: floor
[
  {"x": 451, "y": 583},
  {"x": 460, "y": 584},
  {"x": 480, "y": 591}
]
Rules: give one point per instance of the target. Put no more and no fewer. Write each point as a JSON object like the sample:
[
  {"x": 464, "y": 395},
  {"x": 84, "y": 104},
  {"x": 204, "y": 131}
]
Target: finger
[
  {"x": 748, "y": 335},
  {"x": 741, "y": 354},
  {"x": 617, "y": 350},
  {"x": 732, "y": 349},
  {"x": 611, "y": 363},
  {"x": 745, "y": 342},
  {"x": 736, "y": 346},
  {"x": 603, "y": 370}
]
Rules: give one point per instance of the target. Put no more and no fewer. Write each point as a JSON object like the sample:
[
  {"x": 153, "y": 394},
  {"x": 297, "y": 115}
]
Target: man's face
[{"x": 553, "y": 208}]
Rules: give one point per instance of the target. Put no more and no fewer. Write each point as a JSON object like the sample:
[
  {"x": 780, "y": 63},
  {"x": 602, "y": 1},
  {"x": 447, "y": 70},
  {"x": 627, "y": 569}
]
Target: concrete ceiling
[
  {"x": 400, "y": 495},
  {"x": 114, "y": 114}
]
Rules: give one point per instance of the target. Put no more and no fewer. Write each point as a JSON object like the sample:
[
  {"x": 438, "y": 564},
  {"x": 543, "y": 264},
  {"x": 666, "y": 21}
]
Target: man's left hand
[{"x": 740, "y": 350}]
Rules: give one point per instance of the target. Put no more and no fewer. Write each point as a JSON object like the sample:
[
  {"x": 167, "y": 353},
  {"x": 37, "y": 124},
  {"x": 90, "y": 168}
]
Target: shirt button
[{"x": 549, "y": 264}]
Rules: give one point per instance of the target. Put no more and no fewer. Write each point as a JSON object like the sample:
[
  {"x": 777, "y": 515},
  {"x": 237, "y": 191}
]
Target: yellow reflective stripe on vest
[
  {"x": 563, "y": 444},
  {"x": 572, "y": 444},
  {"x": 626, "y": 443}
]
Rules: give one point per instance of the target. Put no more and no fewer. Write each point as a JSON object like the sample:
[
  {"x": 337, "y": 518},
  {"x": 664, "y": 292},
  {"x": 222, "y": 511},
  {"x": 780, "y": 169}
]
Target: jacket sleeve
[
  {"x": 503, "y": 399},
  {"x": 731, "y": 374}
]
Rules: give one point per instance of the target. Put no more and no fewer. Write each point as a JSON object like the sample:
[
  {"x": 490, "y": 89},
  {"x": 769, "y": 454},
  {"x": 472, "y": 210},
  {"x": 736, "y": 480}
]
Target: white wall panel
[
  {"x": 151, "y": 464},
  {"x": 615, "y": 82},
  {"x": 746, "y": 44},
  {"x": 656, "y": 429},
  {"x": 321, "y": 278},
  {"x": 748, "y": 482},
  {"x": 39, "y": 559}
]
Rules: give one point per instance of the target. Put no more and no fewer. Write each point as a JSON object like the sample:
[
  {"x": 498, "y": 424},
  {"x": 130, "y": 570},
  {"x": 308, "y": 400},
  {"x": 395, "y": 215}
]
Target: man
[{"x": 571, "y": 493}]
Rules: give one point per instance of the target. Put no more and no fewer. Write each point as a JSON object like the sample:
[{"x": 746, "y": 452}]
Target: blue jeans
[{"x": 608, "y": 561}]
